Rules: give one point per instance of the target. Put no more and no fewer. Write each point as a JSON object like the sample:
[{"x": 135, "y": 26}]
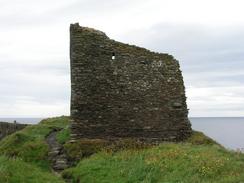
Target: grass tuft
[
  {"x": 14, "y": 170},
  {"x": 168, "y": 162},
  {"x": 30, "y": 144},
  {"x": 199, "y": 138},
  {"x": 24, "y": 158}
]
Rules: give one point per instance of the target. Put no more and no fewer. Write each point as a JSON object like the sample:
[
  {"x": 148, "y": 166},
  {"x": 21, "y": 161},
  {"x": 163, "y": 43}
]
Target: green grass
[
  {"x": 14, "y": 170},
  {"x": 29, "y": 144},
  {"x": 85, "y": 147},
  {"x": 24, "y": 154},
  {"x": 23, "y": 158},
  {"x": 198, "y": 138},
  {"x": 167, "y": 163},
  {"x": 197, "y": 160},
  {"x": 63, "y": 135}
]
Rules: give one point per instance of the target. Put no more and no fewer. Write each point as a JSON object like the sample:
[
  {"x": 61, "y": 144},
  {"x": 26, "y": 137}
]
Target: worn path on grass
[{"x": 57, "y": 156}]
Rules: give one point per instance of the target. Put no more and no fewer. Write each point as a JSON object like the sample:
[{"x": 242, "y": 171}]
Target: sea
[{"x": 228, "y": 131}]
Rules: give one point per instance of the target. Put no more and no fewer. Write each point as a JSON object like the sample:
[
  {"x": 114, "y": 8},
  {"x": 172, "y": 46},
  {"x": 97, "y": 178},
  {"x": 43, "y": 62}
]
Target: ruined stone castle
[{"x": 124, "y": 91}]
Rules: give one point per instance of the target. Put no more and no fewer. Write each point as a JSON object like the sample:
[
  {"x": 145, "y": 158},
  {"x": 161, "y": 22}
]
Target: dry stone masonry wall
[
  {"x": 124, "y": 91},
  {"x": 9, "y": 128}
]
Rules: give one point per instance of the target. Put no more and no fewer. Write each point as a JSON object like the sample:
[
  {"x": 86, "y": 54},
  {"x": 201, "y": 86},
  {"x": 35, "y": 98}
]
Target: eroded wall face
[
  {"x": 139, "y": 94},
  {"x": 9, "y": 128}
]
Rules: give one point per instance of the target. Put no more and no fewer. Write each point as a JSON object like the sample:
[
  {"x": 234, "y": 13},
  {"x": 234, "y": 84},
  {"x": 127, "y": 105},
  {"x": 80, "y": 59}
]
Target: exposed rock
[
  {"x": 56, "y": 155},
  {"x": 177, "y": 104}
]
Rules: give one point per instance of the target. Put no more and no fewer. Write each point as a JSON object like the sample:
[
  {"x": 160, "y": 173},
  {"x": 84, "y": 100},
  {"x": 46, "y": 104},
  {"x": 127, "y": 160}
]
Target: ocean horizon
[{"x": 228, "y": 131}]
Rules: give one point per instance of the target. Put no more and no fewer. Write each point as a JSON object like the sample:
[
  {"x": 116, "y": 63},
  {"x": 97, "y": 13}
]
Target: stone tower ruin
[{"x": 124, "y": 91}]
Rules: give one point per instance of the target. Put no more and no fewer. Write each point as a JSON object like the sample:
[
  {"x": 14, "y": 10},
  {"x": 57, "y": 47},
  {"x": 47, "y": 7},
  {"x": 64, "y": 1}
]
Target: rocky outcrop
[
  {"x": 124, "y": 91},
  {"x": 56, "y": 155}
]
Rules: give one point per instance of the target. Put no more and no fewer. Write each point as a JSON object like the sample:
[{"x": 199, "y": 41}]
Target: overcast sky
[{"x": 206, "y": 36}]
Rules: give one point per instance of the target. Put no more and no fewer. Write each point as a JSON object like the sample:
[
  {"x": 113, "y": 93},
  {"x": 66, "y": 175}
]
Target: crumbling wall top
[{"x": 79, "y": 28}]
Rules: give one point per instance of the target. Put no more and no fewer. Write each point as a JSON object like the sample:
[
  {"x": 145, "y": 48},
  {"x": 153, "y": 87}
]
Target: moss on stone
[{"x": 84, "y": 147}]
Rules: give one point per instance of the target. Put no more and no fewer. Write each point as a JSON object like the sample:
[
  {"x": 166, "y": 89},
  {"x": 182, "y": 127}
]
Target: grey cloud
[
  {"x": 38, "y": 71},
  {"x": 50, "y": 13}
]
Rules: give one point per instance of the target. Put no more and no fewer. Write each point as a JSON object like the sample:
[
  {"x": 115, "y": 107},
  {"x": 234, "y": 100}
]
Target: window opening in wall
[{"x": 113, "y": 56}]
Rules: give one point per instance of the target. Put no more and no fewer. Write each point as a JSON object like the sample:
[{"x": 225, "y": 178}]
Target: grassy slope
[
  {"x": 23, "y": 156},
  {"x": 197, "y": 160},
  {"x": 167, "y": 163},
  {"x": 14, "y": 170}
]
